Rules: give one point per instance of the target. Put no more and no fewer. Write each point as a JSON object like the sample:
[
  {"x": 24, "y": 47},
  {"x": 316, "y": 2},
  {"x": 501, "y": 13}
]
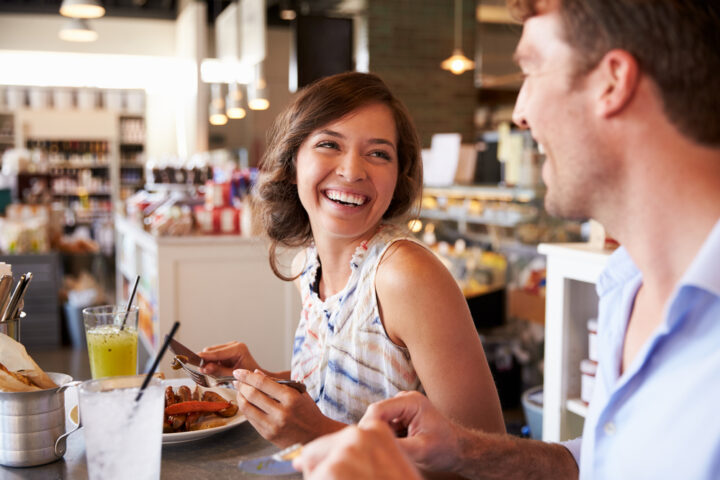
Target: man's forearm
[{"x": 486, "y": 456}]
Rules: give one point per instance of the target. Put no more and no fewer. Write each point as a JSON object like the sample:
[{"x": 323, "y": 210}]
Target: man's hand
[
  {"x": 367, "y": 452},
  {"x": 278, "y": 412},
  {"x": 432, "y": 440}
]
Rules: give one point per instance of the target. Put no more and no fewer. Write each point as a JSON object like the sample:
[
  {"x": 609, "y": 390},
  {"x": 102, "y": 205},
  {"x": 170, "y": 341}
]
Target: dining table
[{"x": 214, "y": 457}]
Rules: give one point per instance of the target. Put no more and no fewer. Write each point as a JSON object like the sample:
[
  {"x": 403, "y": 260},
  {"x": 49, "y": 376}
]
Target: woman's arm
[{"x": 423, "y": 309}]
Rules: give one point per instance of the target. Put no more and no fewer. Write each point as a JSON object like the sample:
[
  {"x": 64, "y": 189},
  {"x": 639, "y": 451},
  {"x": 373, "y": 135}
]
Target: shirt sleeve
[{"x": 574, "y": 447}]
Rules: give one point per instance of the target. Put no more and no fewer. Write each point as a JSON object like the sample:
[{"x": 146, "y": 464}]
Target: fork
[{"x": 207, "y": 380}]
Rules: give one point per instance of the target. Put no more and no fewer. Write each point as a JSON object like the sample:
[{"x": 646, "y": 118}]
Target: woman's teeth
[{"x": 345, "y": 198}]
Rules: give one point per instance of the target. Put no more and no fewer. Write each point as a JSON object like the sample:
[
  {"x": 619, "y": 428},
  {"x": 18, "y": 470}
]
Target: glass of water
[{"x": 123, "y": 437}]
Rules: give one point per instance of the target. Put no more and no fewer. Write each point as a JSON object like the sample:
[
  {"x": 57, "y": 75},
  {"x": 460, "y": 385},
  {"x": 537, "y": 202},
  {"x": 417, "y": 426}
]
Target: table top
[{"x": 213, "y": 457}]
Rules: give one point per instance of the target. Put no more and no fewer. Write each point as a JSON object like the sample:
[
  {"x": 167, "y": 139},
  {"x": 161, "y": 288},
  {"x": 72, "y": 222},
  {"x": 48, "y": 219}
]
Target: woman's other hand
[
  {"x": 223, "y": 359},
  {"x": 280, "y": 413}
]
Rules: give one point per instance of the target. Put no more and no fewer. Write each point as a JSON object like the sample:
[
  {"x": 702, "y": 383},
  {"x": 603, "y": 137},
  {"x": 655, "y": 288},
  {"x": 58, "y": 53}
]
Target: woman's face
[{"x": 347, "y": 171}]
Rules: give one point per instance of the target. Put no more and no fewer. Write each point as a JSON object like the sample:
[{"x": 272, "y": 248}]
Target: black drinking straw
[
  {"x": 160, "y": 354},
  {"x": 132, "y": 296}
]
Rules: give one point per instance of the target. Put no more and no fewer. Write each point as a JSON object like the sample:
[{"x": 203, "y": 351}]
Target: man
[{"x": 622, "y": 94}]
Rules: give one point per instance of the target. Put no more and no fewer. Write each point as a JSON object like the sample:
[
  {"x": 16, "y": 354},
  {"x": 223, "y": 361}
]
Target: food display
[
  {"x": 18, "y": 371},
  {"x": 189, "y": 410}
]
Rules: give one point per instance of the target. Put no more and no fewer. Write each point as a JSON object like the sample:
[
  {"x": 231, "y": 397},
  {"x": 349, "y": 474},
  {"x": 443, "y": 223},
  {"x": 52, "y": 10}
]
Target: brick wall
[{"x": 407, "y": 41}]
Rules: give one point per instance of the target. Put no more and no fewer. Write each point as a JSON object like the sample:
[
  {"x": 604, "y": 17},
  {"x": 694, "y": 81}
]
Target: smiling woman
[{"x": 381, "y": 314}]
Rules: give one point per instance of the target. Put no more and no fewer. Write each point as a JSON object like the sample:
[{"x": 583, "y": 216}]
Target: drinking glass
[
  {"x": 123, "y": 437},
  {"x": 112, "y": 350}
]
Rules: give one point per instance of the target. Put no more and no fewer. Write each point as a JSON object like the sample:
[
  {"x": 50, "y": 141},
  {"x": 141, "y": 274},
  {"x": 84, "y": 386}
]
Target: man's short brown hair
[{"x": 675, "y": 42}]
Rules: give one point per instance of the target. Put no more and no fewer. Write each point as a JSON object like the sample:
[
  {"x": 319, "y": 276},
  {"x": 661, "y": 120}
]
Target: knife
[
  {"x": 19, "y": 303},
  {"x": 179, "y": 349},
  {"x": 194, "y": 359},
  {"x": 14, "y": 298},
  {"x": 279, "y": 463}
]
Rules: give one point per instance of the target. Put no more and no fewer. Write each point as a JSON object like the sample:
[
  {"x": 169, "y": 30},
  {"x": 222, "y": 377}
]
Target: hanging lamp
[
  {"x": 82, "y": 9},
  {"x": 217, "y": 105},
  {"x": 77, "y": 30},
  {"x": 257, "y": 90},
  {"x": 458, "y": 63},
  {"x": 233, "y": 102}
]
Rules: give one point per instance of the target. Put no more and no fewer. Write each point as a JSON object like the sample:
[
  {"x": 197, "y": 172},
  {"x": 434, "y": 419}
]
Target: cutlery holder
[{"x": 11, "y": 328}]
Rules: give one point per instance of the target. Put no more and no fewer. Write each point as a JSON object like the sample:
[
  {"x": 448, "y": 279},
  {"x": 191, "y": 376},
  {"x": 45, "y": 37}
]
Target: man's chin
[{"x": 564, "y": 210}]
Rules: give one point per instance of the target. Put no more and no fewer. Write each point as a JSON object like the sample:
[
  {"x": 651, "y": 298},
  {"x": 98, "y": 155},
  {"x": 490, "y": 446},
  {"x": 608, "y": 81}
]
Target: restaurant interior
[{"x": 130, "y": 143}]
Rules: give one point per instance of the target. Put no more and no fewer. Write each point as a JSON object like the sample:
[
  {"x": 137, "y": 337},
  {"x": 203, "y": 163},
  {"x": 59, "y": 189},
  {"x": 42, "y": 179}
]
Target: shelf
[
  {"x": 90, "y": 194},
  {"x": 483, "y": 192},
  {"x": 577, "y": 406},
  {"x": 462, "y": 216},
  {"x": 79, "y": 165}
]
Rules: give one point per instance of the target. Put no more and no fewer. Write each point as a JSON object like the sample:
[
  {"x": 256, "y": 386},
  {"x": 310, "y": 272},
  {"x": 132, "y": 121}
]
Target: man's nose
[
  {"x": 352, "y": 167},
  {"x": 518, "y": 115}
]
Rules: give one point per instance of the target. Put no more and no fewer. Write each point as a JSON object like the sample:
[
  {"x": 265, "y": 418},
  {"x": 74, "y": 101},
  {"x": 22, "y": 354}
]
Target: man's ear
[{"x": 618, "y": 74}]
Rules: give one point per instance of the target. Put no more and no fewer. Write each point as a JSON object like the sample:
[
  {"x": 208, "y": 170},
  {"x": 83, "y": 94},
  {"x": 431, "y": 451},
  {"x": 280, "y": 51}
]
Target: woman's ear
[{"x": 618, "y": 76}]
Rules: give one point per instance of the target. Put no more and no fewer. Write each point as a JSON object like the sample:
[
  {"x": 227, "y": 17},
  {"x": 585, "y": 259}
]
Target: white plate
[{"x": 182, "y": 437}]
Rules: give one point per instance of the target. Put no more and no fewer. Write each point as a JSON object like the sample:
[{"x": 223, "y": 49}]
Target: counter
[
  {"x": 220, "y": 288},
  {"x": 214, "y": 457}
]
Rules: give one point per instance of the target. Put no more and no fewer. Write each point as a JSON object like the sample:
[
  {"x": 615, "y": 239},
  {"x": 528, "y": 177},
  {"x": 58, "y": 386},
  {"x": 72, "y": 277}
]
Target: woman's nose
[{"x": 351, "y": 167}]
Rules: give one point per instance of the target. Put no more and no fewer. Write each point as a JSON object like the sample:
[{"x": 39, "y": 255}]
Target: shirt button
[{"x": 609, "y": 428}]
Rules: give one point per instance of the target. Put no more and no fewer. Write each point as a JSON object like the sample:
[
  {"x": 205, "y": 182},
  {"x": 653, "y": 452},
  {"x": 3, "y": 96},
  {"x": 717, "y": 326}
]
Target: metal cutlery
[
  {"x": 11, "y": 309},
  {"x": 5, "y": 287},
  {"x": 279, "y": 463},
  {"x": 185, "y": 356}
]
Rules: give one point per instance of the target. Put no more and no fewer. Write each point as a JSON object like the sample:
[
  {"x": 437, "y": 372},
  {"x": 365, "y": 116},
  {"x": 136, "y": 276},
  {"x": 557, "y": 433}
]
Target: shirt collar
[
  {"x": 704, "y": 271},
  {"x": 618, "y": 270}
]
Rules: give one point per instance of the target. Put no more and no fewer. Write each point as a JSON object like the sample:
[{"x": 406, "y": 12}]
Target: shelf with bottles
[
  {"x": 73, "y": 153},
  {"x": 7, "y": 133}
]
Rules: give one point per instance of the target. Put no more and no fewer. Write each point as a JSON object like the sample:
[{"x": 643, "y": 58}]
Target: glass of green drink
[{"x": 112, "y": 349}]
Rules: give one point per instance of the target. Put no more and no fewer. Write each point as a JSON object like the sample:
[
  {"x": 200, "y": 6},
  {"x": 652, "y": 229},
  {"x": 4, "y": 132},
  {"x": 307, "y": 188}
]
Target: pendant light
[
  {"x": 77, "y": 30},
  {"x": 217, "y": 105},
  {"x": 257, "y": 90},
  {"x": 234, "y": 102},
  {"x": 82, "y": 9},
  {"x": 458, "y": 63}
]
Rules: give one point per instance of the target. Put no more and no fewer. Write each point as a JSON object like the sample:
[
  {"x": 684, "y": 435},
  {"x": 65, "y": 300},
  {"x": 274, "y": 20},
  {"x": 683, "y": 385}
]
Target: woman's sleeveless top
[{"x": 341, "y": 350}]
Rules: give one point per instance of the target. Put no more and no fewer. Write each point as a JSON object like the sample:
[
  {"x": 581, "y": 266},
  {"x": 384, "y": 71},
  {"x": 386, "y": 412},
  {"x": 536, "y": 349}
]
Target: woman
[{"x": 380, "y": 314}]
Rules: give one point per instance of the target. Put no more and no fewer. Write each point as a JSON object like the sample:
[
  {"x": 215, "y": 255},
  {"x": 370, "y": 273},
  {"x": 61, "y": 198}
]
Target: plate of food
[{"x": 202, "y": 412}]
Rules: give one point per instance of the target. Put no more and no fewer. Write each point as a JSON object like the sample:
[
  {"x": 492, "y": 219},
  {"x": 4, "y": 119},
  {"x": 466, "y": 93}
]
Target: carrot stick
[{"x": 195, "y": 406}]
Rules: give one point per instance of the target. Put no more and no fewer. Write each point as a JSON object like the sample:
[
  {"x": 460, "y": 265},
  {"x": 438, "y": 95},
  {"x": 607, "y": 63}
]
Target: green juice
[{"x": 112, "y": 351}]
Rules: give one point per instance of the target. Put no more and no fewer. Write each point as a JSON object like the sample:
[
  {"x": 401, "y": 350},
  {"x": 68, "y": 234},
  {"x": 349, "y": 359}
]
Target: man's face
[{"x": 556, "y": 105}]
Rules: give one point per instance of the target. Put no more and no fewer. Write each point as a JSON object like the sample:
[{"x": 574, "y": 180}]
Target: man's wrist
[{"x": 465, "y": 445}]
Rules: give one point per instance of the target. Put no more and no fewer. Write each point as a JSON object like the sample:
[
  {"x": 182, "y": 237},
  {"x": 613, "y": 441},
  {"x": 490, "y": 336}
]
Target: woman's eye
[
  {"x": 381, "y": 154},
  {"x": 327, "y": 144}
]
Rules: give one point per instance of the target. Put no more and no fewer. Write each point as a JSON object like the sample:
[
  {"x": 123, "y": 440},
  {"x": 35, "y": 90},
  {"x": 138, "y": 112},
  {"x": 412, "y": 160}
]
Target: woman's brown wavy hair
[{"x": 276, "y": 199}]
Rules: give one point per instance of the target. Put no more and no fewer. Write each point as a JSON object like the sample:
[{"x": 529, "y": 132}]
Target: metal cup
[{"x": 11, "y": 328}]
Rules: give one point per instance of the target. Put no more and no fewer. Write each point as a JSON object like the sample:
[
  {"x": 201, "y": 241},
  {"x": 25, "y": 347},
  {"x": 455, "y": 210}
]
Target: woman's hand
[
  {"x": 280, "y": 413},
  {"x": 223, "y": 359}
]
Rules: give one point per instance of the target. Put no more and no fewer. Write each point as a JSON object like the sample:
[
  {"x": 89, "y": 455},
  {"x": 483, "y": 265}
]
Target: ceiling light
[
  {"x": 82, "y": 9},
  {"x": 458, "y": 63},
  {"x": 257, "y": 91},
  {"x": 217, "y": 106},
  {"x": 77, "y": 30},
  {"x": 287, "y": 12},
  {"x": 234, "y": 102}
]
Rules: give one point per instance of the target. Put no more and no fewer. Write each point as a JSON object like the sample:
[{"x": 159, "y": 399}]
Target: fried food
[
  {"x": 19, "y": 372},
  {"x": 187, "y": 410}
]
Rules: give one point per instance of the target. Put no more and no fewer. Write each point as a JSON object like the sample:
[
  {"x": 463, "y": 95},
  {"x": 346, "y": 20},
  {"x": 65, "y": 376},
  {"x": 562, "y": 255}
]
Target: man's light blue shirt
[{"x": 660, "y": 419}]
